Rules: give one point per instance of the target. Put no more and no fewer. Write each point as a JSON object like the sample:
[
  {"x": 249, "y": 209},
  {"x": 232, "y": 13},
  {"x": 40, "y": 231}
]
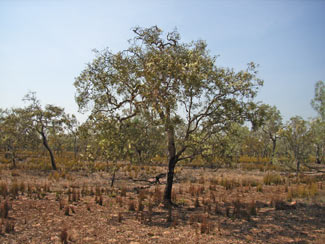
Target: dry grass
[{"x": 221, "y": 207}]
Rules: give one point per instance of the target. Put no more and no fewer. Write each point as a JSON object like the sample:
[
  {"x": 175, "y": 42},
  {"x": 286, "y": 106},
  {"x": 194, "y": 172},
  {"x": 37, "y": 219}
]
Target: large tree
[{"x": 174, "y": 85}]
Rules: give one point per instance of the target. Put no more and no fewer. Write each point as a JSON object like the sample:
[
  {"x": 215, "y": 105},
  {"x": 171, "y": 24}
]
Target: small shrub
[
  {"x": 302, "y": 191},
  {"x": 271, "y": 178},
  {"x": 14, "y": 189},
  {"x": 259, "y": 188}
]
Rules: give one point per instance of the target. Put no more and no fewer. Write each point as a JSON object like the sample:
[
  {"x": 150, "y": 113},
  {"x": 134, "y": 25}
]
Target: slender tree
[
  {"x": 45, "y": 121},
  {"x": 318, "y": 102},
  {"x": 298, "y": 140},
  {"x": 272, "y": 126},
  {"x": 15, "y": 132}
]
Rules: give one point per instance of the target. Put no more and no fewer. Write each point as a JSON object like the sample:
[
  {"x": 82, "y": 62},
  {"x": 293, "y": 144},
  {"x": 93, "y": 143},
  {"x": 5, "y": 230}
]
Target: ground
[{"x": 213, "y": 206}]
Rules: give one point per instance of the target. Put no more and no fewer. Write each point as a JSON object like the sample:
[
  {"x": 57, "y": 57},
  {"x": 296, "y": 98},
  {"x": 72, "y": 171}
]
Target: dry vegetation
[{"x": 224, "y": 206}]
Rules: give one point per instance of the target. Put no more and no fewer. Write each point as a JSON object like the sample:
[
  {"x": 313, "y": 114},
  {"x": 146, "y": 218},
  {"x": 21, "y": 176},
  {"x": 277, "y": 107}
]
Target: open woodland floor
[{"x": 213, "y": 206}]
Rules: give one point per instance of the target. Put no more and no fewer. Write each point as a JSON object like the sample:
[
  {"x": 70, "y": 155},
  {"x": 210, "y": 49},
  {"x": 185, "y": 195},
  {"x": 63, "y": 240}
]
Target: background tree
[
  {"x": 15, "y": 131},
  {"x": 225, "y": 148},
  {"x": 318, "y": 103},
  {"x": 317, "y": 129},
  {"x": 72, "y": 127},
  {"x": 298, "y": 141},
  {"x": 271, "y": 126},
  {"x": 112, "y": 139},
  {"x": 173, "y": 85},
  {"x": 45, "y": 121},
  {"x": 144, "y": 140}
]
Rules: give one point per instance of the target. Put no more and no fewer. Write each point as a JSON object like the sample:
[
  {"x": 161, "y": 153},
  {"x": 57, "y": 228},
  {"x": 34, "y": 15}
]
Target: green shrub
[{"x": 271, "y": 178}]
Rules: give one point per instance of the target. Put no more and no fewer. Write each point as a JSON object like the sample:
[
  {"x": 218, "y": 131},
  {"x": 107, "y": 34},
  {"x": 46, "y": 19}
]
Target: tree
[
  {"x": 15, "y": 131},
  {"x": 297, "y": 138},
  {"x": 112, "y": 139},
  {"x": 173, "y": 85},
  {"x": 271, "y": 126},
  {"x": 72, "y": 125},
  {"x": 144, "y": 140},
  {"x": 317, "y": 129},
  {"x": 45, "y": 121},
  {"x": 318, "y": 103}
]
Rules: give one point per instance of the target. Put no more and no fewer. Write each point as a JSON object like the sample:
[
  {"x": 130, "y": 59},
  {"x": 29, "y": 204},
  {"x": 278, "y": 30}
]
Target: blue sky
[{"x": 44, "y": 45}]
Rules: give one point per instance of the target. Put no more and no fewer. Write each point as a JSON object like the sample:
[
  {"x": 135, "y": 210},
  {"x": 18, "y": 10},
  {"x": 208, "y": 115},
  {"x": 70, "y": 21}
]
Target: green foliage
[
  {"x": 297, "y": 139},
  {"x": 317, "y": 132},
  {"x": 173, "y": 86},
  {"x": 318, "y": 103},
  {"x": 158, "y": 78}
]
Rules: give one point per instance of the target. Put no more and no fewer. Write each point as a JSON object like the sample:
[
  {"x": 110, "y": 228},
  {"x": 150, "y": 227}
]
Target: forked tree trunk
[{"x": 46, "y": 145}]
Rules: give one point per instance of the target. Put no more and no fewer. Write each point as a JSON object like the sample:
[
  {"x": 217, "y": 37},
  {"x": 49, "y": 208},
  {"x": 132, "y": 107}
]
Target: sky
[{"x": 45, "y": 45}]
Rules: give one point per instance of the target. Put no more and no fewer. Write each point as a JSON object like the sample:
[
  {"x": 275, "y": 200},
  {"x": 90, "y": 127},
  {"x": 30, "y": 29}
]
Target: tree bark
[
  {"x": 46, "y": 145},
  {"x": 298, "y": 166},
  {"x": 113, "y": 176},
  {"x": 172, "y": 160},
  {"x": 75, "y": 147},
  {"x": 13, "y": 156},
  {"x": 273, "y": 149},
  {"x": 318, "y": 157}
]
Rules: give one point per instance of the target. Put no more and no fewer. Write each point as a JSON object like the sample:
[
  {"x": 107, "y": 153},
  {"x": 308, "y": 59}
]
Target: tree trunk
[
  {"x": 318, "y": 160},
  {"x": 75, "y": 147},
  {"x": 298, "y": 166},
  {"x": 113, "y": 176},
  {"x": 172, "y": 160},
  {"x": 13, "y": 160},
  {"x": 46, "y": 145},
  {"x": 13, "y": 156},
  {"x": 273, "y": 149}
]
